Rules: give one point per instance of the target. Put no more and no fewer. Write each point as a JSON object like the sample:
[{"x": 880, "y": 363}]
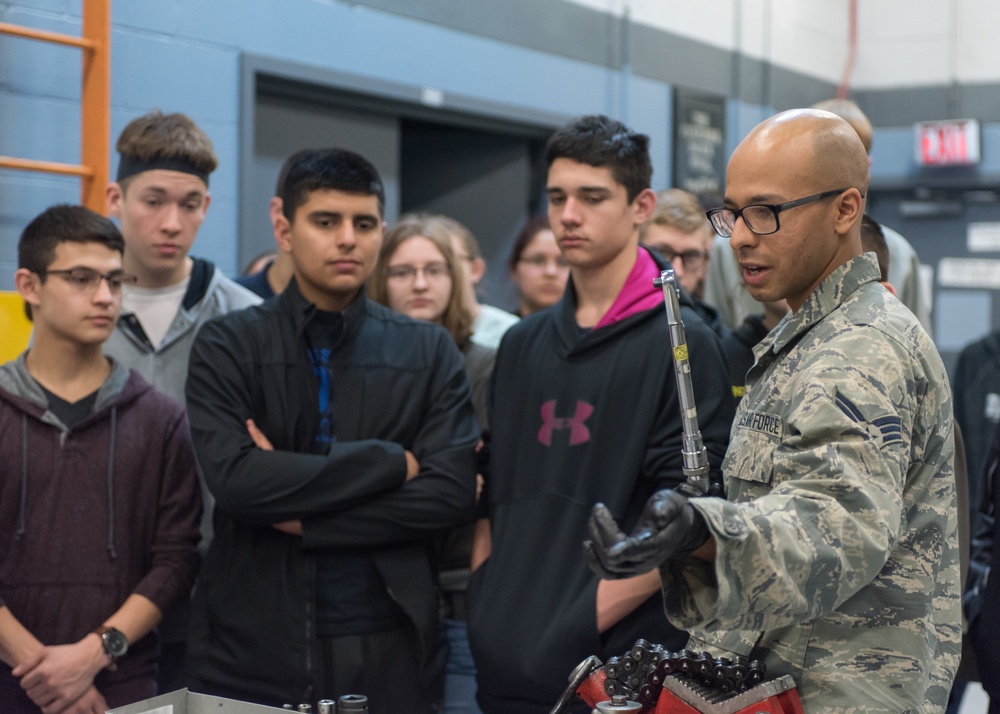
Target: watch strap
[{"x": 103, "y": 631}]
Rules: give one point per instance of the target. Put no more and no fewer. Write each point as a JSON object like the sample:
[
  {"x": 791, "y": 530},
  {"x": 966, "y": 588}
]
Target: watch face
[{"x": 115, "y": 643}]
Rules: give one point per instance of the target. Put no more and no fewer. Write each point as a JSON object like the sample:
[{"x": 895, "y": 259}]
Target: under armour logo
[{"x": 578, "y": 431}]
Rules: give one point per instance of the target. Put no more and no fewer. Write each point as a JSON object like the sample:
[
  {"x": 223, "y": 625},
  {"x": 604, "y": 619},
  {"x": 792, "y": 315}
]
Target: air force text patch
[{"x": 768, "y": 424}]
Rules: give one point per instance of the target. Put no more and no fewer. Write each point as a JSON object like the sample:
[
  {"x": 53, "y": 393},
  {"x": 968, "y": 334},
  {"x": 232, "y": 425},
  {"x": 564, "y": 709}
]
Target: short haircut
[
  {"x": 328, "y": 169},
  {"x": 873, "y": 239},
  {"x": 852, "y": 114},
  {"x": 164, "y": 141},
  {"x": 599, "y": 141},
  {"x": 289, "y": 162},
  {"x": 36, "y": 249},
  {"x": 532, "y": 228},
  {"x": 676, "y": 208},
  {"x": 457, "y": 317}
]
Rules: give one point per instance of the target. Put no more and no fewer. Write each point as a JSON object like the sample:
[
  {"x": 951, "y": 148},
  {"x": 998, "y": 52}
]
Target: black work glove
[{"x": 669, "y": 529}]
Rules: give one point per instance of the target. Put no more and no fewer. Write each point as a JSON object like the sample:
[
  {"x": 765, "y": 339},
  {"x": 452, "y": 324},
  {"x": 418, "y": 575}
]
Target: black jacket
[
  {"x": 976, "y": 391},
  {"x": 398, "y": 384},
  {"x": 578, "y": 417},
  {"x": 983, "y": 624}
]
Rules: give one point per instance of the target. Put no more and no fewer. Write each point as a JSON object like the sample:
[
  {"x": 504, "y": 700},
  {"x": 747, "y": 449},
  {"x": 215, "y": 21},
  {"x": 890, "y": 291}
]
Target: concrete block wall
[{"x": 565, "y": 56}]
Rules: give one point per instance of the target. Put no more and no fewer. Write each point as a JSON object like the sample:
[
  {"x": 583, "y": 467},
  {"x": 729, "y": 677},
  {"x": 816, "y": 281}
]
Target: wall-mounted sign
[
  {"x": 983, "y": 237},
  {"x": 699, "y": 142},
  {"x": 969, "y": 273},
  {"x": 947, "y": 143}
]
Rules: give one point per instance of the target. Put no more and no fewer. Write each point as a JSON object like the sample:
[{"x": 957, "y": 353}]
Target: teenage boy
[
  {"x": 585, "y": 409},
  {"x": 680, "y": 232},
  {"x": 338, "y": 439},
  {"x": 99, "y": 499},
  {"x": 160, "y": 197}
]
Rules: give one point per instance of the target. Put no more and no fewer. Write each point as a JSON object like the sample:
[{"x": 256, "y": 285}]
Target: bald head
[
  {"x": 804, "y": 174},
  {"x": 821, "y": 148}
]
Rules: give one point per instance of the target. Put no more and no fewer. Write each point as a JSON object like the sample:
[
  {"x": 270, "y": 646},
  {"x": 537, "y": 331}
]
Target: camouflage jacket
[{"x": 837, "y": 549}]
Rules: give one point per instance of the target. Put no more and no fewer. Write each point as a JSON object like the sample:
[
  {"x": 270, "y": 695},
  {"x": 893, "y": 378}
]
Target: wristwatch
[{"x": 114, "y": 642}]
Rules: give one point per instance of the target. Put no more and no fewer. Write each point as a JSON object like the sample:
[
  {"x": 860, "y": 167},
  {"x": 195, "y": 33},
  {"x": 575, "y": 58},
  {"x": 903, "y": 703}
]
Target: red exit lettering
[{"x": 948, "y": 143}]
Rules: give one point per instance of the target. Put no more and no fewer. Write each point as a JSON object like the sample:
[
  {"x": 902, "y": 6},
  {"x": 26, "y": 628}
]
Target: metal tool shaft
[{"x": 693, "y": 449}]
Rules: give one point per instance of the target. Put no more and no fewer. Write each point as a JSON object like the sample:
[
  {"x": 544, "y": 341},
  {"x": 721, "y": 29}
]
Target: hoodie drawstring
[
  {"x": 23, "y": 506},
  {"x": 21, "y": 529},
  {"x": 111, "y": 485}
]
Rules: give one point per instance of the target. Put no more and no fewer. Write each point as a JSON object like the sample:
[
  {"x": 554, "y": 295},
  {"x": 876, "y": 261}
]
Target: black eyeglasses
[
  {"x": 690, "y": 259},
  {"x": 87, "y": 279},
  {"x": 761, "y": 218}
]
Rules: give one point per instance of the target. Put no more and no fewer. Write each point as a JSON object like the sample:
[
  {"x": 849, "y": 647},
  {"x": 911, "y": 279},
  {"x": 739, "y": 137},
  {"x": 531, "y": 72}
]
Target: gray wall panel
[
  {"x": 904, "y": 106},
  {"x": 980, "y": 101},
  {"x": 791, "y": 90},
  {"x": 901, "y": 107},
  {"x": 556, "y": 26},
  {"x": 679, "y": 60},
  {"x": 580, "y": 33}
]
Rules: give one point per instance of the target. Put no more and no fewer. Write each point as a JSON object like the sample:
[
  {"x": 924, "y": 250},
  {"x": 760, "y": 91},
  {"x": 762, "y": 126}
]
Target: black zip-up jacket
[
  {"x": 398, "y": 384},
  {"x": 578, "y": 417}
]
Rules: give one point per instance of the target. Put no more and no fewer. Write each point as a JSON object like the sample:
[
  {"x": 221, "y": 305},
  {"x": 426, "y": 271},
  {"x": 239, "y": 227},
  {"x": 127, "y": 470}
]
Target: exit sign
[{"x": 947, "y": 143}]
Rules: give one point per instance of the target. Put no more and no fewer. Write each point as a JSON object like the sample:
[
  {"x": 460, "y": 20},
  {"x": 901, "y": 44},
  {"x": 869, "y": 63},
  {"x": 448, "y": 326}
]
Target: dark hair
[
  {"x": 36, "y": 249},
  {"x": 328, "y": 169},
  {"x": 599, "y": 141},
  {"x": 158, "y": 140},
  {"x": 873, "y": 239},
  {"x": 289, "y": 162},
  {"x": 532, "y": 228}
]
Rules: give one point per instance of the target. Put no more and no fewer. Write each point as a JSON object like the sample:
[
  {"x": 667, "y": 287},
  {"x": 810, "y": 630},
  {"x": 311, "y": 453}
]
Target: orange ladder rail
[{"x": 95, "y": 110}]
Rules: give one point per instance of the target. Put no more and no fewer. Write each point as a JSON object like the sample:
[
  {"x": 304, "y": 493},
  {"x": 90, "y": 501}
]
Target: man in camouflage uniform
[{"x": 835, "y": 557}]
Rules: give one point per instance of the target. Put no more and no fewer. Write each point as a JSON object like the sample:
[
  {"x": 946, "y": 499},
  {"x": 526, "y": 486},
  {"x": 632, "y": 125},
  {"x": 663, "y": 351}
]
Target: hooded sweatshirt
[
  {"x": 579, "y": 417},
  {"x": 93, "y": 514}
]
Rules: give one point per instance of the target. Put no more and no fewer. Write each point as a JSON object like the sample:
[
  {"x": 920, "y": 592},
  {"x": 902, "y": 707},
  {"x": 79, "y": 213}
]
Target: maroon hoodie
[{"x": 92, "y": 514}]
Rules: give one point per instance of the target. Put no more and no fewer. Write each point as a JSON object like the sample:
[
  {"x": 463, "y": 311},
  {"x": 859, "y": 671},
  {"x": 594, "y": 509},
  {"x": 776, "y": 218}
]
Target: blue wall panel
[{"x": 185, "y": 55}]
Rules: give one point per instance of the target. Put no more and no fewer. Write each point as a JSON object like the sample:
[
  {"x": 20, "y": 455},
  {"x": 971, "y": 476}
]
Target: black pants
[{"x": 383, "y": 666}]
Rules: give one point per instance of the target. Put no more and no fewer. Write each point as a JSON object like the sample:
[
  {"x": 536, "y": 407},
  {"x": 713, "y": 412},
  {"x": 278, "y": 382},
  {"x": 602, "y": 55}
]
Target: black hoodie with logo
[{"x": 579, "y": 417}]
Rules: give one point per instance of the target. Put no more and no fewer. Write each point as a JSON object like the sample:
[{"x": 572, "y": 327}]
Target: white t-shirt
[{"x": 155, "y": 307}]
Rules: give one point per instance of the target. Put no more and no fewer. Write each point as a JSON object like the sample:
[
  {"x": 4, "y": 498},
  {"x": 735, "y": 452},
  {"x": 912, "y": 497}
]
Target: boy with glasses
[
  {"x": 680, "y": 233},
  {"x": 99, "y": 499}
]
